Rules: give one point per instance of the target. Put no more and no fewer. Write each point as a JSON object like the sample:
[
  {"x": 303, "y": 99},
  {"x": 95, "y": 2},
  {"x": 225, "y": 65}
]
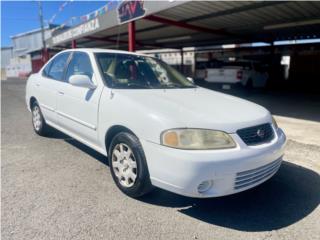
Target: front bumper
[{"x": 181, "y": 171}]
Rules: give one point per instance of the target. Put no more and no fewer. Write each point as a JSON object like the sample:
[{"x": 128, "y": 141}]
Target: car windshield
[{"x": 132, "y": 71}]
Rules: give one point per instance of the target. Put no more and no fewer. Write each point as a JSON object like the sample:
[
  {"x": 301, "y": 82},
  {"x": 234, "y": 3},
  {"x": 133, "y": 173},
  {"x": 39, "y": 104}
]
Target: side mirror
[
  {"x": 190, "y": 79},
  {"x": 81, "y": 81}
]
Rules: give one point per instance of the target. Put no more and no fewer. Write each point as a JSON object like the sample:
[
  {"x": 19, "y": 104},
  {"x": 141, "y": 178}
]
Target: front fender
[
  {"x": 146, "y": 123},
  {"x": 29, "y": 90}
]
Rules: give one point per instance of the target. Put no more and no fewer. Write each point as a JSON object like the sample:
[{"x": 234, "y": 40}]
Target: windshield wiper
[
  {"x": 138, "y": 85},
  {"x": 175, "y": 85}
]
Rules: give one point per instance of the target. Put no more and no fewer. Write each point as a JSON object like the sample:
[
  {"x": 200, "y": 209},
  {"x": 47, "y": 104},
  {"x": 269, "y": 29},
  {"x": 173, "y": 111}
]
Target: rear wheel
[
  {"x": 128, "y": 165},
  {"x": 38, "y": 122}
]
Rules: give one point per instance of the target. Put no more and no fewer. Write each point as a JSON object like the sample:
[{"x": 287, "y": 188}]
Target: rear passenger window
[
  {"x": 58, "y": 65},
  {"x": 79, "y": 65}
]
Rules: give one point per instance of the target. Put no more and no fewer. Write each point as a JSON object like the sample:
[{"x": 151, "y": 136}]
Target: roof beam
[
  {"x": 186, "y": 25},
  {"x": 108, "y": 39},
  {"x": 105, "y": 39}
]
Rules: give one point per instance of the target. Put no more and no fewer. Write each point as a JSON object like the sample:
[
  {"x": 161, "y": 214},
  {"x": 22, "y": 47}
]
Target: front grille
[
  {"x": 246, "y": 178},
  {"x": 257, "y": 134}
]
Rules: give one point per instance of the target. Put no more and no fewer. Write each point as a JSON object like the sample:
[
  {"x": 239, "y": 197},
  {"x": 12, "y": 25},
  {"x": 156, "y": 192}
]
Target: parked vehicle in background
[
  {"x": 247, "y": 73},
  {"x": 156, "y": 126}
]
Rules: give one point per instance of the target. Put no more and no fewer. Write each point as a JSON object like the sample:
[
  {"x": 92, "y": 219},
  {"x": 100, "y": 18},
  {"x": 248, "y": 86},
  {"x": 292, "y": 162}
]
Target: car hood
[{"x": 197, "y": 108}]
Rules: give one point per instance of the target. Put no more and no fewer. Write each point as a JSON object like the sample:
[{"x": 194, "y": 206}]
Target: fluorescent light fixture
[
  {"x": 298, "y": 41},
  {"x": 260, "y": 44},
  {"x": 292, "y": 24},
  {"x": 229, "y": 46},
  {"x": 285, "y": 42},
  {"x": 173, "y": 39},
  {"x": 301, "y": 41}
]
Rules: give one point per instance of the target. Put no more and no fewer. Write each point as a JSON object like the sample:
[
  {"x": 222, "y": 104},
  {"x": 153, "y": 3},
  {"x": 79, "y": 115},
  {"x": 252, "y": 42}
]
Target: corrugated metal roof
[{"x": 239, "y": 21}]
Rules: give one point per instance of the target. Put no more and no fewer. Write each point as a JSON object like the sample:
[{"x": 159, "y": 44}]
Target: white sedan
[{"x": 156, "y": 127}]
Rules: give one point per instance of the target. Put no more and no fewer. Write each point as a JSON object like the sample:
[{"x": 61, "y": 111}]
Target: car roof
[{"x": 101, "y": 50}]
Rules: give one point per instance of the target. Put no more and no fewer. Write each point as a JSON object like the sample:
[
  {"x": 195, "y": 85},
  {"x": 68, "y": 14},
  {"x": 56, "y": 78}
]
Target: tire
[
  {"x": 38, "y": 121},
  {"x": 128, "y": 165}
]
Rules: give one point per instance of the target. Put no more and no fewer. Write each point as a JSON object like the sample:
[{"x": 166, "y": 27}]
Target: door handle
[{"x": 61, "y": 93}]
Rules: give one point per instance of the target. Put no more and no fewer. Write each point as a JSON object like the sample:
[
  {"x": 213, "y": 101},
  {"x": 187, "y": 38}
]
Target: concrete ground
[{"x": 56, "y": 188}]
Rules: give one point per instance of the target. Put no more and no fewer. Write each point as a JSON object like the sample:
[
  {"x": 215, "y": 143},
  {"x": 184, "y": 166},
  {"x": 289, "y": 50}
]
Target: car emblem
[{"x": 260, "y": 133}]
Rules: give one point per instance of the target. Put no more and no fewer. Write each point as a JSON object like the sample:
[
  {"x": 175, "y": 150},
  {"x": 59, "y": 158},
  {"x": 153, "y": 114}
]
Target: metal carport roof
[{"x": 175, "y": 24}]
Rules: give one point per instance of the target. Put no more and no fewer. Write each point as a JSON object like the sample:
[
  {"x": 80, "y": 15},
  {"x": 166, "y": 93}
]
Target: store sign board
[
  {"x": 77, "y": 31},
  {"x": 130, "y": 10}
]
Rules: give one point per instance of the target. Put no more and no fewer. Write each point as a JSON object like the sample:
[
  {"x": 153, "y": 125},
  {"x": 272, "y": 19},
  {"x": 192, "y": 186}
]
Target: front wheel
[{"x": 128, "y": 165}]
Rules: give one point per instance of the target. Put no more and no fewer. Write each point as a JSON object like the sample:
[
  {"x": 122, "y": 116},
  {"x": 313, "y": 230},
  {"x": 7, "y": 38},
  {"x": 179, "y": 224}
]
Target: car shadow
[
  {"x": 292, "y": 194},
  {"x": 55, "y": 134},
  {"x": 96, "y": 155}
]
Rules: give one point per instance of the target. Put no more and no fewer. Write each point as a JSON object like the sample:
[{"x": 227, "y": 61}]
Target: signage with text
[
  {"x": 130, "y": 10},
  {"x": 77, "y": 31}
]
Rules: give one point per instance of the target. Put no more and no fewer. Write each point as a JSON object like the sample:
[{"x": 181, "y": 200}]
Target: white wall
[{"x": 19, "y": 67}]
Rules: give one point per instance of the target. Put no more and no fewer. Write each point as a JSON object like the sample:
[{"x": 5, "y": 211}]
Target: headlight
[
  {"x": 274, "y": 123},
  {"x": 196, "y": 139}
]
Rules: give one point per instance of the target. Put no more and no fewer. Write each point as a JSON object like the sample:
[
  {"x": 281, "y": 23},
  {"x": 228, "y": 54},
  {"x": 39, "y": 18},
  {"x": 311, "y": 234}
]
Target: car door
[
  {"x": 47, "y": 86},
  {"x": 77, "y": 107}
]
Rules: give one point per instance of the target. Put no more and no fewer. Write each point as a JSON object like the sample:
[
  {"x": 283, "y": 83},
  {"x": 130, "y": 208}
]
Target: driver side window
[
  {"x": 56, "y": 67},
  {"x": 79, "y": 65}
]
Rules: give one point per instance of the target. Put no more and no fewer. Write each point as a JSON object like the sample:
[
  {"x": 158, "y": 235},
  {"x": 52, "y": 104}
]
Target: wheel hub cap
[
  {"x": 124, "y": 165},
  {"x": 36, "y": 118}
]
